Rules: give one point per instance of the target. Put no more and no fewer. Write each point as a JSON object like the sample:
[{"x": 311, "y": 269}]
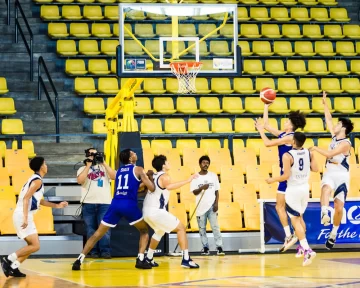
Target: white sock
[
  {"x": 81, "y": 257},
  {"x": 287, "y": 231},
  {"x": 333, "y": 232},
  {"x": 304, "y": 244},
  {"x": 324, "y": 209},
  {"x": 150, "y": 254},
  {"x": 15, "y": 264},
  {"x": 12, "y": 257},
  {"x": 141, "y": 256},
  {"x": 186, "y": 254}
]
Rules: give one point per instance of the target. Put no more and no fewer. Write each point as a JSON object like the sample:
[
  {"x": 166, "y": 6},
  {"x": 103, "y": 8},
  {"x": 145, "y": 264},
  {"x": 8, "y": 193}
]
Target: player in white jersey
[
  {"x": 30, "y": 199},
  {"x": 160, "y": 220},
  {"x": 296, "y": 167},
  {"x": 337, "y": 175}
]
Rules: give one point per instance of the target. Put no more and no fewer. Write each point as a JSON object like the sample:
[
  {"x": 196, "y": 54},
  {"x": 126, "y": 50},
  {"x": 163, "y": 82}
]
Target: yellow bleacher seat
[
  {"x": 344, "y": 105},
  {"x": 158, "y": 146},
  {"x": 3, "y": 86},
  {"x": 198, "y": 125},
  {"x": 144, "y": 143},
  {"x": 173, "y": 126},
  {"x": 279, "y": 106},
  {"x": 27, "y": 145},
  {"x": 304, "y": 48},
  {"x": 7, "y": 106},
  {"x": 312, "y": 31},
  {"x": 268, "y": 2},
  {"x": 210, "y": 105},
  {"x": 307, "y": 2},
  {"x": 324, "y": 48},
  {"x": 314, "y": 125},
  {"x": 268, "y": 157},
  {"x": 220, "y": 48},
  {"x": 221, "y": 86},
  {"x": 244, "y": 194},
  {"x": 333, "y": 31},
  {"x": 12, "y": 126},
  {"x": 262, "y": 48},
  {"x": 6, "y": 221},
  {"x": 225, "y": 192},
  {"x": 181, "y": 45},
  {"x": 268, "y": 191},
  {"x": 151, "y": 126},
  {"x": 144, "y": 30},
  {"x": 283, "y": 48},
  {"x": 244, "y": 125},
  {"x": 339, "y": 14},
  {"x": 299, "y": 14},
  {"x": 232, "y": 174},
  {"x": 230, "y": 217},
  {"x": 350, "y": 85},
  {"x": 113, "y": 66},
  {"x": 249, "y": 30},
  {"x": 44, "y": 221},
  {"x": 232, "y": 105},
  {"x": 206, "y": 144},
  {"x": 221, "y": 125},
  {"x": 205, "y": 29},
  {"x": 187, "y": 30},
  {"x": 269, "y": 31},
  {"x": 187, "y": 105},
  {"x": 153, "y": 47},
  {"x": 318, "y": 67},
  {"x": 185, "y": 143},
  {"x": 291, "y": 31},
  {"x": 123, "y": 82},
  {"x": 92, "y": 12},
  {"x": 227, "y": 31},
  {"x": 85, "y": 85},
  {"x": 243, "y": 86},
  {"x": 66, "y": 47},
  {"x": 331, "y": 85},
  {"x": 89, "y": 47},
  {"x": 98, "y": 67},
  {"x": 296, "y": 67},
  {"x": 108, "y": 85},
  {"x": 279, "y": 14},
  {"x": 319, "y": 14},
  {"x": 318, "y": 107},
  {"x": 255, "y": 144},
  {"x": 259, "y": 14},
  {"x": 288, "y": 86},
  {"x": 351, "y": 31},
  {"x": 244, "y": 156},
  {"x": 49, "y": 12},
  {"x": 261, "y": 83},
  {"x": 256, "y": 175},
  {"x": 101, "y": 30},
  {"x": 57, "y": 30},
  {"x": 356, "y": 122},
  {"x": 108, "y": 47},
  {"x": 338, "y": 67},
  {"x": 79, "y": 30},
  {"x": 287, "y": 2},
  {"x": 328, "y": 2},
  {"x": 203, "y": 49},
  {"x": 253, "y": 105},
  {"x": 324, "y": 142},
  {"x": 309, "y": 85},
  {"x": 99, "y": 126},
  {"x": 6, "y": 193},
  {"x": 154, "y": 86},
  {"x": 275, "y": 67},
  {"x": 219, "y": 156},
  {"x": 300, "y": 103},
  {"x": 94, "y": 106},
  {"x": 154, "y": 16},
  {"x": 253, "y": 67},
  {"x": 345, "y": 48},
  {"x": 191, "y": 157},
  {"x": 2, "y": 151},
  {"x": 142, "y": 105},
  {"x": 112, "y": 12},
  {"x": 245, "y": 48},
  {"x": 4, "y": 178},
  {"x": 252, "y": 216},
  {"x": 242, "y": 14},
  {"x": 71, "y": 12},
  {"x": 178, "y": 210},
  {"x": 75, "y": 67},
  {"x": 19, "y": 178},
  {"x": 164, "y": 105},
  {"x": 163, "y": 30},
  {"x": 355, "y": 66}
]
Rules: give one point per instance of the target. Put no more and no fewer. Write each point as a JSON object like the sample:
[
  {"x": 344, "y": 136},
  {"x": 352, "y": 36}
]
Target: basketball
[{"x": 267, "y": 95}]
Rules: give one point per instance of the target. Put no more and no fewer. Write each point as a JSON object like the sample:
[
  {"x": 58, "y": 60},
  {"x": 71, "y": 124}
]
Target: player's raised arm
[
  {"x": 144, "y": 178},
  {"x": 313, "y": 164},
  {"x": 272, "y": 142},
  {"x": 165, "y": 182},
  {"x": 327, "y": 114},
  {"x": 287, "y": 160},
  {"x": 267, "y": 127},
  {"x": 342, "y": 148}
]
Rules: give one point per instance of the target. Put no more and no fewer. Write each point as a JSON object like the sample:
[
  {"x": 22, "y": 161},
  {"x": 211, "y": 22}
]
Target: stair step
[
  {"x": 42, "y": 106},
  {"x": 48, "y": 127}
]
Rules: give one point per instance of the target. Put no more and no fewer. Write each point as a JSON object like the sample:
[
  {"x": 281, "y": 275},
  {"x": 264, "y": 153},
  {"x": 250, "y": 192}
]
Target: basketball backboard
[{"x": 156, "y": 34}]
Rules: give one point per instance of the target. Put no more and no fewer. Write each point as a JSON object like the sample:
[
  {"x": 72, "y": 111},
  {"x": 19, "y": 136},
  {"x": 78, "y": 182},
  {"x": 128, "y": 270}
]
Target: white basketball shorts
[
  {"x": 160, "y": 220},
  {"x": 18, "y": 220},
  {"x": 296, "y": 199},
  {"x": 339, "y": 182}
]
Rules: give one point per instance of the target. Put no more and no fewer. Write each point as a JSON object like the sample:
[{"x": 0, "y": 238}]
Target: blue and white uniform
[
  {"x": 282, "y": 150},
  {"x": 124, "y": 204},
  {"x": 154, "y": 209},
  {"x": 297, "y": 191},
  {"x": 34, "y": 205},
  {"x": 337, "y": 174}
]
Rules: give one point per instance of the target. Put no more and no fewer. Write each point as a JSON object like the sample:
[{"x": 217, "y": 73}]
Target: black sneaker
[
  {"x": 205, "y": 251},
  {"x": 152, "y": 262},
  {"x": 220, "y": 251},
  {"x": 142, "y": 264},
  {"x": 16, "y": 273},
  {"x": 330, "y": 243},
  {"x": 5, "y": 265},
  {"x": 76, "y": 265}
]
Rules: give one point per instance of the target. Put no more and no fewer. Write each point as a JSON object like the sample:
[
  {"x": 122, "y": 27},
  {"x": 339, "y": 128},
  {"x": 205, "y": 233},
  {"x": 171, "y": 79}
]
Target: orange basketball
[{"x": 267, "y": 95}]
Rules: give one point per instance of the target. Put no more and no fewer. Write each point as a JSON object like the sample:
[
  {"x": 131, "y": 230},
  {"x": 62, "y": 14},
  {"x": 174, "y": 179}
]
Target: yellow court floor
[{"x": 272, "y": 270}]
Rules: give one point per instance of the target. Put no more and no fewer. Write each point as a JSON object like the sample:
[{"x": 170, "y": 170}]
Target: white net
[{"x": 186, "y": 73}]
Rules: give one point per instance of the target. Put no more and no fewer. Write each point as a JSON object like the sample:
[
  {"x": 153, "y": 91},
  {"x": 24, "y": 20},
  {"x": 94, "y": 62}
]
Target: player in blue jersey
[
  {"x": 124, "y": 204},
  {"x": 284, "y": 142}
]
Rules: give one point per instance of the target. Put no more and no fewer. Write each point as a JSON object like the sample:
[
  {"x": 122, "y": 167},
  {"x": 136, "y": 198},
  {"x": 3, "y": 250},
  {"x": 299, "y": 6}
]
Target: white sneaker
[
  {"x": 309, "y": 255},
  {"x": 325, "y": 219},
  {"x": 289, "y": 241}
]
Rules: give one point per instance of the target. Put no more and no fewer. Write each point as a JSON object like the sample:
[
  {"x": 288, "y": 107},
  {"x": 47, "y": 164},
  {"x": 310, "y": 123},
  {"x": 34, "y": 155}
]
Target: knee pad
[{"x": 157, "y": 236}]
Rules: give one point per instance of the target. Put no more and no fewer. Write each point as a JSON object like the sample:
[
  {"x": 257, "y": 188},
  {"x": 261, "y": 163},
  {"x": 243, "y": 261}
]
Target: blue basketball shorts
[{"x": 282, "y": 185}]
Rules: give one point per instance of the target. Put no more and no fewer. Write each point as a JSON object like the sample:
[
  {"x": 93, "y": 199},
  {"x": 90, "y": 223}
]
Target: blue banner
[{"x": 316, "y": 233}]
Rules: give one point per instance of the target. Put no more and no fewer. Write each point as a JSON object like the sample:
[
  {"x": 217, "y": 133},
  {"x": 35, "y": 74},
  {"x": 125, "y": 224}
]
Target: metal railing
[
  {"x": 29, "y": 46},
  {"x": 7, "y": 2},
  {"x": 41, "y": 84}
]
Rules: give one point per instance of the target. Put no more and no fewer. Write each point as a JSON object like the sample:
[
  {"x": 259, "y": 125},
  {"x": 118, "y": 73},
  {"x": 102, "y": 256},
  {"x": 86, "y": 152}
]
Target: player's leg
[
  {"x": 202, "y": 221},
  {"x": 142, "y": 227},
  {"x": 213, "y": 219},
  {"x": 91, "y": 224},
  {"x": 154, "y": 242},
  {"x": 327, "y": 186}
]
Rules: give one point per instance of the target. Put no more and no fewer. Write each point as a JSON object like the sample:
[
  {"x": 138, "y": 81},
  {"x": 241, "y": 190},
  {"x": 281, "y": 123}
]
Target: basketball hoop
[{"x": 186, "y": 73}]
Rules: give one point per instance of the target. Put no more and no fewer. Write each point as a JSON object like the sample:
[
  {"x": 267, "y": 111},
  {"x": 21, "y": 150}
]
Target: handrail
[
  {"x": 29, "y": 47},
  {"x": 7, "y": 2},
  {"x": 41, "y": 84}
]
